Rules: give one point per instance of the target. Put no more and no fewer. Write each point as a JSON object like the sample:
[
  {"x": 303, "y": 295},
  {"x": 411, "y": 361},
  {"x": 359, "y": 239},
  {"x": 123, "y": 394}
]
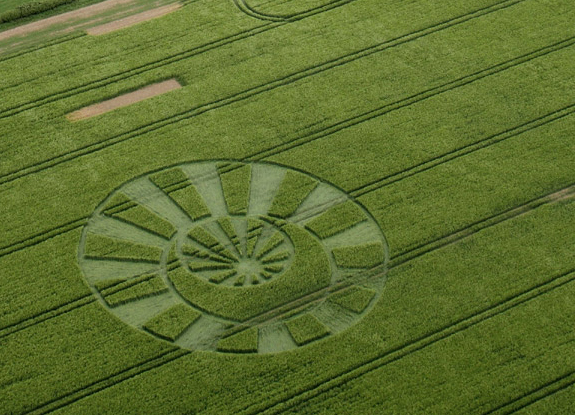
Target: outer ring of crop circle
[{"x": 100, "y": 206}]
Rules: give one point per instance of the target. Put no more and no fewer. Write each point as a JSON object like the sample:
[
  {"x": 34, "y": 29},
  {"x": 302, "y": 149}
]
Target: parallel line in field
[
  {"x": 548, "y": 389},
  {"x": 105, "y": 383},
  {"x": 138, "y": 70},
  {"x": 413, "y": 99},
  {"x": 430, "y": 339},
  {"x": 47, "y": 315},
  {"x": 360, "y": 191},
  {"x": 395, "y": 260},
  {"x": 254, "y": 91},
  {"x": 413, "y": 252},
  {"x": 409, "y": 255},
  {"x": 226, "y": 41},
  {"x": 341, "y": 125},
  {"x": 56, "y": 41},
  {"x": 250, "y": 11},
  {"x": 42, "y": 236},
  {"x": 463, "y": 151},
  {"x": 411, "y": 347}
]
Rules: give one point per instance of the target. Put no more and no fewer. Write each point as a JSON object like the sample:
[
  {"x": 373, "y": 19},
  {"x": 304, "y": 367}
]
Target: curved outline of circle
[{"x": 100, "y": 206}]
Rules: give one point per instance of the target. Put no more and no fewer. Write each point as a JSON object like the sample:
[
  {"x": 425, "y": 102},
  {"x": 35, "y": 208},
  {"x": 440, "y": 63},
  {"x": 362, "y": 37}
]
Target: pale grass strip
[
  {"x": 124, "y": 100},
  {"x": 133, "y": 20}
]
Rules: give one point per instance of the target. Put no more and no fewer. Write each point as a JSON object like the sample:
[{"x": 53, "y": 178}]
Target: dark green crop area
[{"x": 449, "y": 124}]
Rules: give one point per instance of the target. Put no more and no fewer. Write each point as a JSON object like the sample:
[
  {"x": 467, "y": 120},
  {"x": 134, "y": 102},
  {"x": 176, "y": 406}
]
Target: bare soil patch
[
  {"x": 133, "y": 20},
  {"x": 124, "y": 100},
  {"x": 83, "y": 13}
]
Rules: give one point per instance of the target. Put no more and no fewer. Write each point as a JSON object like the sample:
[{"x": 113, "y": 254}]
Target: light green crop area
[{"x": 440, "y": 135}]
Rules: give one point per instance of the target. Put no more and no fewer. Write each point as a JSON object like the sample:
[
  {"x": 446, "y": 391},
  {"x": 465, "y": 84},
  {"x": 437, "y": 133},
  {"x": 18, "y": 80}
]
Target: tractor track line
[
  {"x": 94, "y": 387},
  {"x": 300, "y": 140},
  {"x": 463, "y": 151},
  {"x": 102, "y": 82},
  {"x": 47, "y": 315},
  {"x": 535, "y": 395},
  {"x": 395, "y": 260},
  {"x": 360, "y": 191},
  {"x": 413, "y": 99},
  {"x": 54, "y": 42},
  {"x": 414, "y": 252},
  {"x": 249, "y": 93},
  {"x": 343, "y": 378},
  {"x": 223, "y": 42},
  {"x": 250, "y": 11},
  {"x": 412, "y": 346}
]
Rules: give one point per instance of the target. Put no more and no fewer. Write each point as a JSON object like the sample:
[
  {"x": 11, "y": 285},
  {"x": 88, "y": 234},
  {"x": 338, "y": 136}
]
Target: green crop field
[{"x": 338, "y": 207}]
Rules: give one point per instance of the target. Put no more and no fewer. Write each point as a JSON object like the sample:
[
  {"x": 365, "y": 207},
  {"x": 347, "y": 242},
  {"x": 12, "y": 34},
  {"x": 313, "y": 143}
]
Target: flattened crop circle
[{"x": 234, "y": 257}]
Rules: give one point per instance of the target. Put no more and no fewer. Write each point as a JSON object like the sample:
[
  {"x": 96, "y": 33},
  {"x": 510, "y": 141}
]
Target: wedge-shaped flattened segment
[
  {"x": 294, "y": 188},
  {"x": 360, "y": 256},
  {"x": 181, "y": 190},
  {"x": 236, "y": 186},
  {"x": 255, "y": 228},
  {"x": 134, "y": 289},
  {"x": 98, "y": 246},
  {"x": 306, "y": 328},
  {"x": 171, "y": 323},
  {"x": 206, "y": 239},
  {"x": 337, "y": 219},
  {"x": 191, "y": 202},
  {"x": 355, "y": 298},
  {"x": 243, "y": 342},
  {"x": 229, "y": 229},
  {"x": 123, "y": 208},
  {"x": 271, "y": 243}
]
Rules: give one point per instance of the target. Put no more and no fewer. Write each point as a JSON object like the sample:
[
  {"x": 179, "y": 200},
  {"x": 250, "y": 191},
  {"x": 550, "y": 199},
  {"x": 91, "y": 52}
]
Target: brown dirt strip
[
  {"x": 83, "y": 13},
  {"x": 124, "y": 100},
  {"x": 133, "y": 20}
]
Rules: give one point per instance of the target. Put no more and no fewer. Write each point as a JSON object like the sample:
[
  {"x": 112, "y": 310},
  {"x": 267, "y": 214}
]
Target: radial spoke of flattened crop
[{"x": 147, "y": 194}]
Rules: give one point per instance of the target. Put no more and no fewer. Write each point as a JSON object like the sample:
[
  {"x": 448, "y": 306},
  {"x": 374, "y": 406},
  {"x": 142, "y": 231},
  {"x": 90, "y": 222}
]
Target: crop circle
[{"x": 234, "y": 257}]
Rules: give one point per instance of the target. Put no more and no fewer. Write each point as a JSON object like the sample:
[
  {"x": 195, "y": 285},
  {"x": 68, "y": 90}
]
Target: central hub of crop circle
[
  {"x": 236, "y": 251},
  {"x": 234, "y": 257}
]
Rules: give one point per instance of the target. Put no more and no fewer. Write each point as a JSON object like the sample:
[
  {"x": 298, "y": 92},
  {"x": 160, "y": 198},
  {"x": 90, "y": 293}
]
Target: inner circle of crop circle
[
  {"x": 234, "y": 257},
  {"x": 248, "y": 258}
]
